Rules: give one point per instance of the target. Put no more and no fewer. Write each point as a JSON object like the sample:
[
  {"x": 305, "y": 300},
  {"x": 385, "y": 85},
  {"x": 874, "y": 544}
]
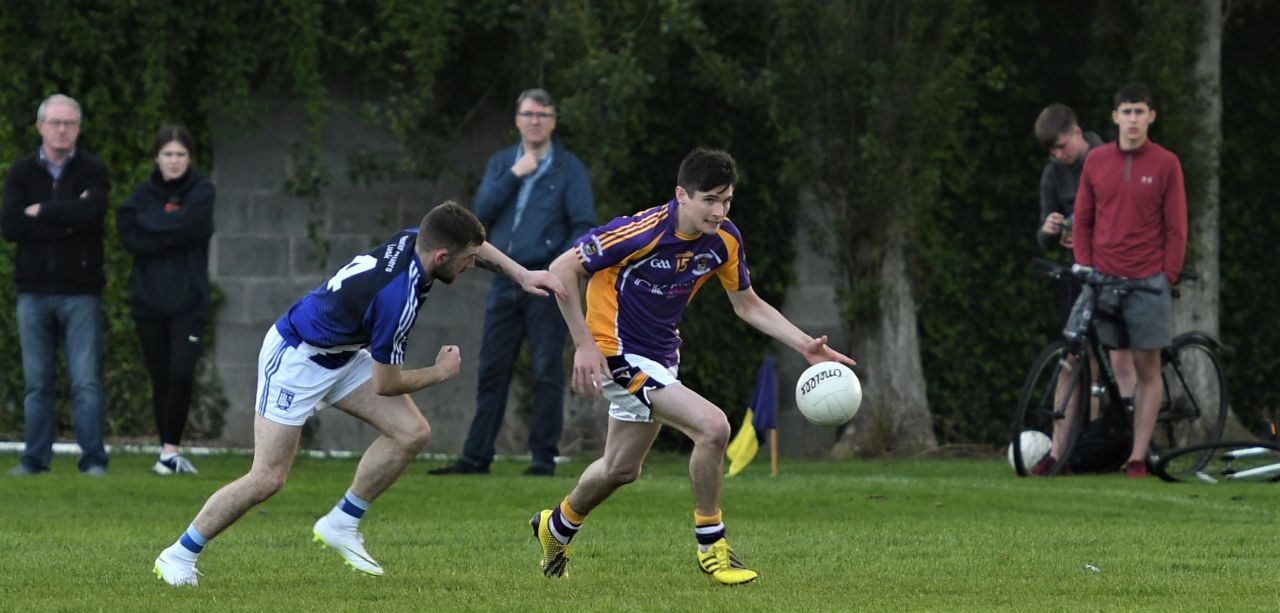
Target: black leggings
[{"x": 170, "y": 347}]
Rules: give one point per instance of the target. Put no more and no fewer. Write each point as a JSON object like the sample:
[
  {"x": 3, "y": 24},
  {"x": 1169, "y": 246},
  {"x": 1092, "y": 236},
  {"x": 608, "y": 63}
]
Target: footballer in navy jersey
[
  {"x": 342, "y": 345},
  {"x": 642, "y": 270},
  {"x": 371, "y": 302}
]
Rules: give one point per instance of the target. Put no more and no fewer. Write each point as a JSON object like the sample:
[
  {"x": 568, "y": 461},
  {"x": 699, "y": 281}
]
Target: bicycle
[
  {"x": 1194, "y": 406},
  {"x": 1224, "y": 461}
]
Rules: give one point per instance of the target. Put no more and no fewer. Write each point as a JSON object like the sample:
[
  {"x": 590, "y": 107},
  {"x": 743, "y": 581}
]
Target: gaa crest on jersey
[{"x": 284, "y": 400}]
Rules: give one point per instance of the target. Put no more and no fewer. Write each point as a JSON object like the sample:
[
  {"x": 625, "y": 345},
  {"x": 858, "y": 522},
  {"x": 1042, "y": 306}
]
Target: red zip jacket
[{"x": 1131, "y": 212}]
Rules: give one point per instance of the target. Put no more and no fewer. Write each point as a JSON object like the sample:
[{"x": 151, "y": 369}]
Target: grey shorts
[{"x": 1137, "y": 319}]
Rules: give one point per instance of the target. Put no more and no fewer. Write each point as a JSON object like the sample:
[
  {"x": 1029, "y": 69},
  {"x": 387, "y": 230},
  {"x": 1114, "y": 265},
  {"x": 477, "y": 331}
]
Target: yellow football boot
[
  {"x": 722, "y": 564},
  {"x": 555, "y": 555}
]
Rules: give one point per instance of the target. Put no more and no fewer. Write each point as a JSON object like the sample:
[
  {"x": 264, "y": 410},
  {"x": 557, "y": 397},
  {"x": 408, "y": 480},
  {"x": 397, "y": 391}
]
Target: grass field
[{"x": 957, "y": 535}]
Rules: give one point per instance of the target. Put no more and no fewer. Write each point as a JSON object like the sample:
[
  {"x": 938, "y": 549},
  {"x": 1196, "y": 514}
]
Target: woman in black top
[{"x": 166, "y": 224}]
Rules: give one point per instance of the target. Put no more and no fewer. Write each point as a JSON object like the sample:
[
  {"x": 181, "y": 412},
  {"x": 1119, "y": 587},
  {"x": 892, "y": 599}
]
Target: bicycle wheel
[
  {"x": 1194, "y": 410},
  {"x": 1221, "y": 461},
  {"x": 1053, "y": 389}
]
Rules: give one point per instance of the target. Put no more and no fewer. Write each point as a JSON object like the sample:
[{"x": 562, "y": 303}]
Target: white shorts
[
  {"x": 632, "y": 378},
  {"x": 292, "y": 387}
]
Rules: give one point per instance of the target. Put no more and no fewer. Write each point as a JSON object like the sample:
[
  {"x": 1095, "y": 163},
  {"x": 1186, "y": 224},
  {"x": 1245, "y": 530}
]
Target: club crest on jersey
[
  {"x": 591, "y": 248},
  {"x": 702, "y": 264},
  {"x": 284, "y": 400}
]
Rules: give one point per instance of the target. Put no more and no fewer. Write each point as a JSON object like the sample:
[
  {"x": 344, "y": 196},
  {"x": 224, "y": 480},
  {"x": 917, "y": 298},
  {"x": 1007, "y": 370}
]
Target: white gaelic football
[
  {"x": 828, "y": 394},
  {"x": 1035, "y": 445}
]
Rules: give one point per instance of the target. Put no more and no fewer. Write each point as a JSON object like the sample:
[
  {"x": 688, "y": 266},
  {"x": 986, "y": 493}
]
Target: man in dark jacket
[
  {"x": 55, "y": 201},
  {"x": 535, "y": 200},
  {"x": 1058, "y": 131}
]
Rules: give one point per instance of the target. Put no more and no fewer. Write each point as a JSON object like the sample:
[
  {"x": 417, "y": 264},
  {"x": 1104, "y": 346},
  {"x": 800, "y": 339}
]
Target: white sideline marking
[
  {"x": 1177, "y": 498},
  {"x": 338, "y": 454}
]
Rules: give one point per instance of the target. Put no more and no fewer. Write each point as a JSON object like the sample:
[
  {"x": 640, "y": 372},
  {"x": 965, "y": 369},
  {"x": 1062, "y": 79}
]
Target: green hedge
[{"x": 910, "y": 117}]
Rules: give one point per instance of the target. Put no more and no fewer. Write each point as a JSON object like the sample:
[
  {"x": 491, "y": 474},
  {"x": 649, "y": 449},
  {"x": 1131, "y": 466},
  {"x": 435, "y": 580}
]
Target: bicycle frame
[
  {"x": 1221, "y": 461},
  {"x": 1046, "y": 395}
]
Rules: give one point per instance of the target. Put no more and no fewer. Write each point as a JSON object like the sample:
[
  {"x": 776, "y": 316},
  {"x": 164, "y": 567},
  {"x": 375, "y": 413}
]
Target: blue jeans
[
  {"x": 75, "y": 320},
  {"x": 510, "y": 317}
]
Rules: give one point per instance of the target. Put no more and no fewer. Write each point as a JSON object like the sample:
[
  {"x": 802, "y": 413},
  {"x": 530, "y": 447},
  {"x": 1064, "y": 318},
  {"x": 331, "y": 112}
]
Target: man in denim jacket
[{"x": 535, "y": 200}]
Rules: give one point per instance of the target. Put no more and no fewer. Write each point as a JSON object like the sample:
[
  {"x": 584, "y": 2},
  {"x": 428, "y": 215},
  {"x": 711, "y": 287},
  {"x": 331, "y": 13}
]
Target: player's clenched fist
[{"x": 449, "y": 362}]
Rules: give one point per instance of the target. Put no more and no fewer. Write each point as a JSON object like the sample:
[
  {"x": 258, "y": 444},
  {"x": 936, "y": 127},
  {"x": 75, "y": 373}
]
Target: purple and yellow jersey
[{"x": 643, "y": 275}]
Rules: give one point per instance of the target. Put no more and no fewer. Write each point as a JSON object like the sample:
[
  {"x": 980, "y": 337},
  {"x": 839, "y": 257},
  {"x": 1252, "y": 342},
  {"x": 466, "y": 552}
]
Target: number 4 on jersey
[{"x": 361, "y": 263}]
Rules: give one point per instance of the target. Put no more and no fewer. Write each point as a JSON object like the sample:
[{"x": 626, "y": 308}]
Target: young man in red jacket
[{"x": 1131, "y": 222}]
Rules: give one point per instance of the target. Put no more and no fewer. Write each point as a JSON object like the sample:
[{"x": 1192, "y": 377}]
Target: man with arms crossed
[
  {"x": 55, "y": 203},
  {"x": 344, "y": 344},
  {"x": 1131, "y": 221},
  {"x": 643, "y": 270}
]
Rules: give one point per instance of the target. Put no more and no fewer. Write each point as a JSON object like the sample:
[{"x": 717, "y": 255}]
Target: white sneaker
[
  {"x": 177, "y": 465},
  {"x": 176, "y": 573},
  {"x": 348, "y": 543}
]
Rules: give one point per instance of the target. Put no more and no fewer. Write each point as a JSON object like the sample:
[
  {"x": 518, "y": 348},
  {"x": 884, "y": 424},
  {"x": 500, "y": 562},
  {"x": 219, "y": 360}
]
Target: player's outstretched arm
[
  {"x": 536, "y": 282},
  {"x": 392, "y": 380},
  {"x": 589, "y": 365},
  {"x": 751, "y": 308}
]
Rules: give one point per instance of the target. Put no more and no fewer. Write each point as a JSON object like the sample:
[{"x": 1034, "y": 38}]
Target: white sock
[
  {"x": 347, "y": 513},
  {"x": 342, "y": 521},
  {"x": 165, "y": 457},
  {"x": 177, "y": 552}
]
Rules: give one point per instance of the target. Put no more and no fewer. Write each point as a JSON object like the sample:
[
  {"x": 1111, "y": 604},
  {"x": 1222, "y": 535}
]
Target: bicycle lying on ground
[
  {"x": 1222, "y": 461},
  {"x": 1194, "y": 406}
]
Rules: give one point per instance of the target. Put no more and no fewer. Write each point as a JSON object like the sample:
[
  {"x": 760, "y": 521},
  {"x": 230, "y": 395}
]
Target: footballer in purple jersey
[
  {"x": 641, "y": 272},
  {"x": 644, "y": 272},
  {"x": 316, "y": 356}
]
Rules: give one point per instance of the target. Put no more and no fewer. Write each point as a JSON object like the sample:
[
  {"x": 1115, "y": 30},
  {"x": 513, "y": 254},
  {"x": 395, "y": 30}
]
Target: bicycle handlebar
[{"x": 1057, "y": 270}]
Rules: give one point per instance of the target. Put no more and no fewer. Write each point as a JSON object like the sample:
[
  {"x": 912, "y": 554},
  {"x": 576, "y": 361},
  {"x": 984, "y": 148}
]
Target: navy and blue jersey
[{"x": 371, "y": 302}]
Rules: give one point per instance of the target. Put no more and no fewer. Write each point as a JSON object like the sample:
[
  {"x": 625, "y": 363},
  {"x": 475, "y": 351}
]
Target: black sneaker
[
  {"x": 540, "y": 470},
  {"x": 461, "y": 467},
  {"x": 22, "y": 470},
  {"x": 177, "y": 465}
]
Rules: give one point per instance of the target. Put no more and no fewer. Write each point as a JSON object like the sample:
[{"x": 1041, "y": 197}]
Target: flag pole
[{"x": 773, "y": 452}]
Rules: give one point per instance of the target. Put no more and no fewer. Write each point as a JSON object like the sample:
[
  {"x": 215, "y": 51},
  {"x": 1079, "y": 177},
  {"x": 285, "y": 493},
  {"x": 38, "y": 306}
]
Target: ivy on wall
[
  {"x": 132, "y": 71},
  {"x": 903, "y": 116}
]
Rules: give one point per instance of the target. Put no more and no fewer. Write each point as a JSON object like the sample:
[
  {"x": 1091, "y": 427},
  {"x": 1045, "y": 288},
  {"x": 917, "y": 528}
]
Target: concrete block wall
[
  {"x": 263, "y": 260},
  {"x": 812, "y": 305}
]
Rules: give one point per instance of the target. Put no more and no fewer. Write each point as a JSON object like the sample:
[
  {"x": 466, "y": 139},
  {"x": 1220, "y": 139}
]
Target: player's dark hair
[
  {"x": 169, "y": 134},
  {"x": 705, "y": 170},
  {"x": 450, "y": 227},
  {"x": 1133, "y": 93},
  {"x": 1054, "y": 121}
]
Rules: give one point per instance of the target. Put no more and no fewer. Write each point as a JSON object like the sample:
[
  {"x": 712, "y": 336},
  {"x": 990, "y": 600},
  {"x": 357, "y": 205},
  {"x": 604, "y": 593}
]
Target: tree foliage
[
  {"x": 1249, "y": 215},
  {"x": 901, "y": 117}
]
